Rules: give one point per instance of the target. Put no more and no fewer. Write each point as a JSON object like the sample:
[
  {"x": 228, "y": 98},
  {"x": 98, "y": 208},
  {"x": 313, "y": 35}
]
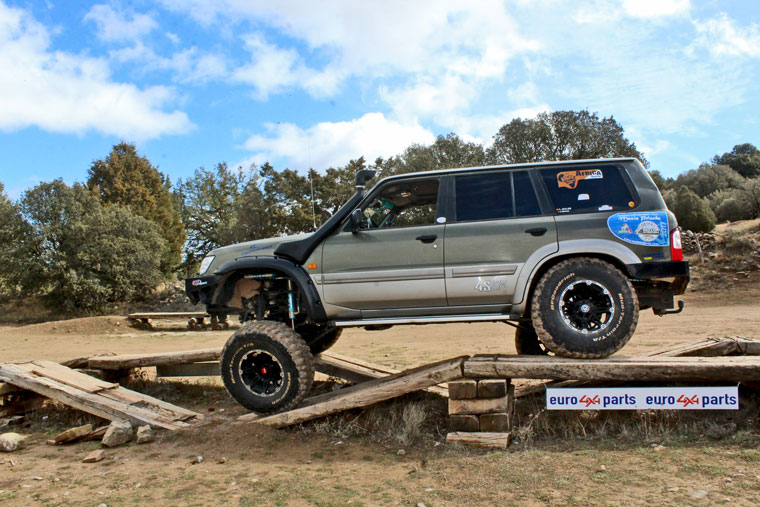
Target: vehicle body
[{"x": 464, "y": 245}]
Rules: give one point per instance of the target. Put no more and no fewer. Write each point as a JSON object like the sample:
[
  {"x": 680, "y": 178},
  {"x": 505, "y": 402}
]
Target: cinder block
[
  {"x": 463, "y": 389},
  {"x": 464, "y": 423},
  {"x": 492, "y": 388}
]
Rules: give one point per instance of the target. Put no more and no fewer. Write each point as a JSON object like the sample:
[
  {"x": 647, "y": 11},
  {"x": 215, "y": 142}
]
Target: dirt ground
[{"x": 576, "y": 459}]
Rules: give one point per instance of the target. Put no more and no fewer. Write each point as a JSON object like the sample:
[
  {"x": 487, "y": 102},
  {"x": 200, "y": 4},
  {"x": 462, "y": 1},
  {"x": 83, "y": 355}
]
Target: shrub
[{"x": 692, "y": 212}]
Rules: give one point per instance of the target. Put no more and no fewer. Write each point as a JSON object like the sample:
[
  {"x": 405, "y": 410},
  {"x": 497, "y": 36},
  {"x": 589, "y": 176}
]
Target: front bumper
[{"x": 200, "y": 289}]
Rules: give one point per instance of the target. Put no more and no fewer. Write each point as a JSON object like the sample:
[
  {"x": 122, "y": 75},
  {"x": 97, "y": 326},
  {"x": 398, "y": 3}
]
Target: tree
[
  {"x": 693, "y": 213},
  {"x": 87, "y": 255},
  {"x": 709, "y": 178},
  {"x": 16, "y": 245},
  {"x": 127, "y": 179},
  {"x": 662, "y": 183},
  {"x": 561, "y": 135},
  {"x": 447, "y": 152},
  {"x": 743, "y": 158}
]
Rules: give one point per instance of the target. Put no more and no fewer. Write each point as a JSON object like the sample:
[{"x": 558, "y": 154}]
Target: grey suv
[{"x": 567, "y": 252}]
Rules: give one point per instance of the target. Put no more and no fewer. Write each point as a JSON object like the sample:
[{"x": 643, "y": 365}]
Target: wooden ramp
[
  {"x": 366, "y": 393},
  {"x": 94, "y": 396},
  {"x": 196, "y": 320}
]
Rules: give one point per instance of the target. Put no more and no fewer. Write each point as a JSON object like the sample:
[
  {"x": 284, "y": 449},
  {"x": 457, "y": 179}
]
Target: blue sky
[{"x": 314, "y": 84}]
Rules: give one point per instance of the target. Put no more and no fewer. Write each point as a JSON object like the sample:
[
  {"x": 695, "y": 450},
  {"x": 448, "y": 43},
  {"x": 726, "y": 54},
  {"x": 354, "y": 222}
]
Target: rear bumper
[
  {"x": 199, "y": 289},
  {"x": 647, "y": 270},
  {"x": 657, "y": 282}
]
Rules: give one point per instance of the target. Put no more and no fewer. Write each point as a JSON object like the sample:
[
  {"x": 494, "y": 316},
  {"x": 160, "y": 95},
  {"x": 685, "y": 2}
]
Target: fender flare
[{"x": 305, "y": 284}]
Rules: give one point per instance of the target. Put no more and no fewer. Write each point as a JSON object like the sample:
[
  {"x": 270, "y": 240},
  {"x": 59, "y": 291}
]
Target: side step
[
  {"x": 430, "y": 319},
  {"x": 366, "y": 393}
]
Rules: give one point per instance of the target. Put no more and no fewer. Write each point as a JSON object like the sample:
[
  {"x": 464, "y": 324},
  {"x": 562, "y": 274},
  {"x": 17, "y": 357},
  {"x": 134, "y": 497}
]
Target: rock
[
  {"x": 10, "y": 442},
  {"x": 699, "y": 494},
  {"x": 401, "y": 452},
  {"x": 72, "y": 434},
  {"x": 144, "y": 434},
  {"x": 671, "y": 489},
  {"x": 197, "y": 460},
  {"x": 118, "y": 433},
  {"x": 94, "y": 456}
]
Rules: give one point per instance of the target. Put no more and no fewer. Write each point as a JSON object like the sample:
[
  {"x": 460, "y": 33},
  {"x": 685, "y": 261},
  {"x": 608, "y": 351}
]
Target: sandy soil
[{"x": 334, "y": 464}]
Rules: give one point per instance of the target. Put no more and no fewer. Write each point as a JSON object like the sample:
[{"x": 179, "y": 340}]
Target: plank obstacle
[{"x": 196, "y": 320}]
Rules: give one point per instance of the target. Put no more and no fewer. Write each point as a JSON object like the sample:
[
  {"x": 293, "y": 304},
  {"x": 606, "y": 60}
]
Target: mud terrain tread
[
  {"x": 295, "y": 346},
  {"x": 538, "y": 323}
]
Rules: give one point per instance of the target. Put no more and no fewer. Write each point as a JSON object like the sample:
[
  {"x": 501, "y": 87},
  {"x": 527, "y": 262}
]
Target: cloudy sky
[{"x": 314, "y": 84}]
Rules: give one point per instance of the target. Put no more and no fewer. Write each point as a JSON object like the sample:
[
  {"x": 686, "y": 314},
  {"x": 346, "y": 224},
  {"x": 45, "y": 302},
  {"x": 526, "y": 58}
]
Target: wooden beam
[
  {"x": 615, "y": 368},
  {"x": 188, "y": 370},
  {"x": 162, "y": 358},
  {"x": 480, "y": 439},
  {"x": 367, "y": 393},
  {"x": 167, "y": 315}
]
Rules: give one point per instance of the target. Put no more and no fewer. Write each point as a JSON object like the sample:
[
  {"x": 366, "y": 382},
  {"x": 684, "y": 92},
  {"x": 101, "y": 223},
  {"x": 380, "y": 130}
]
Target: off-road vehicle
[{"x": 568, "y": 252}]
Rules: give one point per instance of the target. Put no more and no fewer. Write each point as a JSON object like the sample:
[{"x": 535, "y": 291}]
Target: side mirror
[{"x": 356, "y": 220}]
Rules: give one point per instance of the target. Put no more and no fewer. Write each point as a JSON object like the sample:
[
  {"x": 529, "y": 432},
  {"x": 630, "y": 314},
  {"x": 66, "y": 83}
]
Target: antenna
[{"x": 313, "y": 212}]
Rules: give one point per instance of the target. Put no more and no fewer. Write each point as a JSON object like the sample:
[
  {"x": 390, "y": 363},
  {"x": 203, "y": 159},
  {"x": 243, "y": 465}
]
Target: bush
[
  {"x": 693, "y": 213},
  {"x": 709, "y": 178}
]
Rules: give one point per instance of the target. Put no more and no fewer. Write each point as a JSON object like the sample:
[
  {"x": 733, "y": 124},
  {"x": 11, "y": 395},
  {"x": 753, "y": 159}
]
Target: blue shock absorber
[{"x": 291, "y": 306}]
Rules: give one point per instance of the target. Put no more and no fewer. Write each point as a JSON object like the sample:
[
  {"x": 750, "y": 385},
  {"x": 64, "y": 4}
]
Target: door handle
[
  {"x": 536, "y": 231},
  {"x": 427, "y": 238}
]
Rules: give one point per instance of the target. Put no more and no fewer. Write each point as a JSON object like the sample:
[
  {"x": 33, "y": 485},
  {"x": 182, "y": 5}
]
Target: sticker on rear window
[
  {"x": 570, "y": 179},
  {"x": 648, "y": 229}
]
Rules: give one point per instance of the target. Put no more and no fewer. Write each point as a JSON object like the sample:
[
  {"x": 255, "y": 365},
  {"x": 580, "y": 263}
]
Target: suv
[{"x": 567, "y": 252}]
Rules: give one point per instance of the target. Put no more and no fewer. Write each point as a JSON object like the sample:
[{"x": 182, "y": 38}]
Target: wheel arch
[
  {"x": 247, "y": 265},
  {"x": 614, "y": 253}
]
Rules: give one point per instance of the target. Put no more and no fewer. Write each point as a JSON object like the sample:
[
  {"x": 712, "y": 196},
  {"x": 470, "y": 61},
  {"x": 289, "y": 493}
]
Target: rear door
[{"x": 494, "y": 226}]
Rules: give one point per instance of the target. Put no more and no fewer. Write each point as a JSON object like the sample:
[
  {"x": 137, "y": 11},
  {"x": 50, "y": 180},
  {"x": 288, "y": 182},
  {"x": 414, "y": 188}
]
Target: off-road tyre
[
  {"x": 267, "y": 367},
  {"x": 317, "y": 340},
  {"x": 527, "y": 342},
  {"x": 570, "y": 297}
]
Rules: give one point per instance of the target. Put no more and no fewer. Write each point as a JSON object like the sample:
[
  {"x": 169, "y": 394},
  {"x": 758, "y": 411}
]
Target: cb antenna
[{"x": 313, "y": 212}]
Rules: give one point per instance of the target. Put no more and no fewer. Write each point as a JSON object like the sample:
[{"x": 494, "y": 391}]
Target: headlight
[{"x": 205, "y": 264}]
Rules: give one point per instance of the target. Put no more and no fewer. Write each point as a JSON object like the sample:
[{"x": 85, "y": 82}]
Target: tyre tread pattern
[
  {"x": 536, "y": 317},
  {"x": 296, "y": 347}
]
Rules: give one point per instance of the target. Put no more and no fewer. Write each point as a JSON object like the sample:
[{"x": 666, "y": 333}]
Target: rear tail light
[{"x": 676, "y": 250}]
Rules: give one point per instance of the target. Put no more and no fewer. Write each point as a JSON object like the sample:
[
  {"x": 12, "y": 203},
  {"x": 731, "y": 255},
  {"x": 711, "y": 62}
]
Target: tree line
[{"x": 86, "y": 246}]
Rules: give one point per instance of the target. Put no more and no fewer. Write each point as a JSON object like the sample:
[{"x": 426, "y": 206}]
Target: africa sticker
[
  {"x": 647, "y": 229},
  {"x": 570, "y": 179}
]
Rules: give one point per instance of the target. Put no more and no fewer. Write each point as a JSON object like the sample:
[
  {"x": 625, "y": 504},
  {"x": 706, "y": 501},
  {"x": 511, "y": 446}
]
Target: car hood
[{"x": 259, "y": 247}]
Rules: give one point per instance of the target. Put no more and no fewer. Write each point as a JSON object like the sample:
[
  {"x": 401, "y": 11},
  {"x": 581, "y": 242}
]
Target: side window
[
  {"x": 587, "y": 189},
  {"x": 403, "y": 204},
  {"x": 483, "y": 196},
  {"x": 495, "y": 195}
]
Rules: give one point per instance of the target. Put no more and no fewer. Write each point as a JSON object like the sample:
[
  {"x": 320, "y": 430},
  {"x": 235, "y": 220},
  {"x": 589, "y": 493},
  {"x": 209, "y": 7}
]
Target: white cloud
[
  {"x": 62, "y": 92},
  {"x": 188, "y": 65},
  {"x": 334, "y": 144},
  {"x": 722, "y": 37},
  {"x": 115, "y": 25},
  {"x": 649, "y": 9}
]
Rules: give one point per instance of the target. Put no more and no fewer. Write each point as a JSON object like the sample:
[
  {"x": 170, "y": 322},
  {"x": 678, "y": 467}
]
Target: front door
[{"x": 395, "y": 260}]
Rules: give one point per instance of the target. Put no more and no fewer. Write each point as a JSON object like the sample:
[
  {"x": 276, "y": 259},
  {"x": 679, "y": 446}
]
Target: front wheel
[
  {"x": 267, "y": 367},
  {"x": 584, "y": 308}
]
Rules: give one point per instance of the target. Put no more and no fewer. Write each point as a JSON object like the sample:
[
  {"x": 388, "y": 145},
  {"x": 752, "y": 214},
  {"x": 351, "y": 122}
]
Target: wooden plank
[
  {"x": 464, "y": 422},
  {"x": 615, "y": 368},
  {"x": 356, "y": 370},
  {"x": 167, "y": 315},
  {"x": 161, "y": 358},
  {"x": 492, "y": 388},
  {"x": 72, "y": 434},
  {"x": 464, "y": 389},
  {"x": 82, "y": 400},
  {"x": 6, "y": 388},
  {"x": 368, "y": 393},
  {"x": 478, "y": 406},
  {"x": 67, "y": 376},
  {"x": 480, "y": 439},
  {"x": 188, "y": 370}
]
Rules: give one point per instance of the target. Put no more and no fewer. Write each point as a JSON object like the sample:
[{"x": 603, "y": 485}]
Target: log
[
  {"x": 478, "y": 406},
  {"x": 367, "y": 393},
  {"x": 617, "y": 368},
  {"x": 480, "y": 439},
  {"x": 167, "y": 315},
  {"x": 188, "y": 370},
  {"x": 127, "y": 361},
  {"x": 72, "y": 434}
]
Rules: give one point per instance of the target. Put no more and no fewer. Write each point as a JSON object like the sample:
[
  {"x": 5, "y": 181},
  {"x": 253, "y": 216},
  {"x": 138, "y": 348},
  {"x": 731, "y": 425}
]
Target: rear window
[
  {"x": 495, "y": 195},
  {"x": 588, "y": 189}
]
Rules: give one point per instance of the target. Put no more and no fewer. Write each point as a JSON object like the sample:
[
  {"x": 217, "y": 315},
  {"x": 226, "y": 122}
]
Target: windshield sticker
[
  {"x": 570, "y": 179},
  {"x": 648, "y": 229}
]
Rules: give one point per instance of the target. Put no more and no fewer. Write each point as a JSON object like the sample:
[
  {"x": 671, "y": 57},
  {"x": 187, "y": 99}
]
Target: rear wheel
[
  {"x": 527, "y": 342},
  {"x": 584, "y": 308},
  {"x": 267, "y": 367}
]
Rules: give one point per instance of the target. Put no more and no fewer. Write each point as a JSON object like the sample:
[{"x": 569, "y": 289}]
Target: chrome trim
[
  {"x": 483, "y": 270},
  {"x": 392, "y": 275},
  {"x": 424, "y": 320}
]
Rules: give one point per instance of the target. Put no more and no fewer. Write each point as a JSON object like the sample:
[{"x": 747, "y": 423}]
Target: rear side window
[
  {"x": 588, "y": 189},
  {"x": 495, "y": 195}
]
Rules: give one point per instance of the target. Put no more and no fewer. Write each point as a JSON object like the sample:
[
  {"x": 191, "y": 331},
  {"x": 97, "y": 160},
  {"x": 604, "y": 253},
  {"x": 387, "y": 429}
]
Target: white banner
[{"x": 639, "y": 398}]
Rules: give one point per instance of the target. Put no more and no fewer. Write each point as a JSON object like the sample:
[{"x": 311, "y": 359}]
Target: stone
[
  {"x": 401, "y": 452},
  {"x": 699, "y": 494},
  {"x": 144, "y": 434},
  {"x": 119, "y": 432},
  {"x": 197, "y": 460},
  {"x": 94, "y": 456},
  {"x": 10, "y": 442}
]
